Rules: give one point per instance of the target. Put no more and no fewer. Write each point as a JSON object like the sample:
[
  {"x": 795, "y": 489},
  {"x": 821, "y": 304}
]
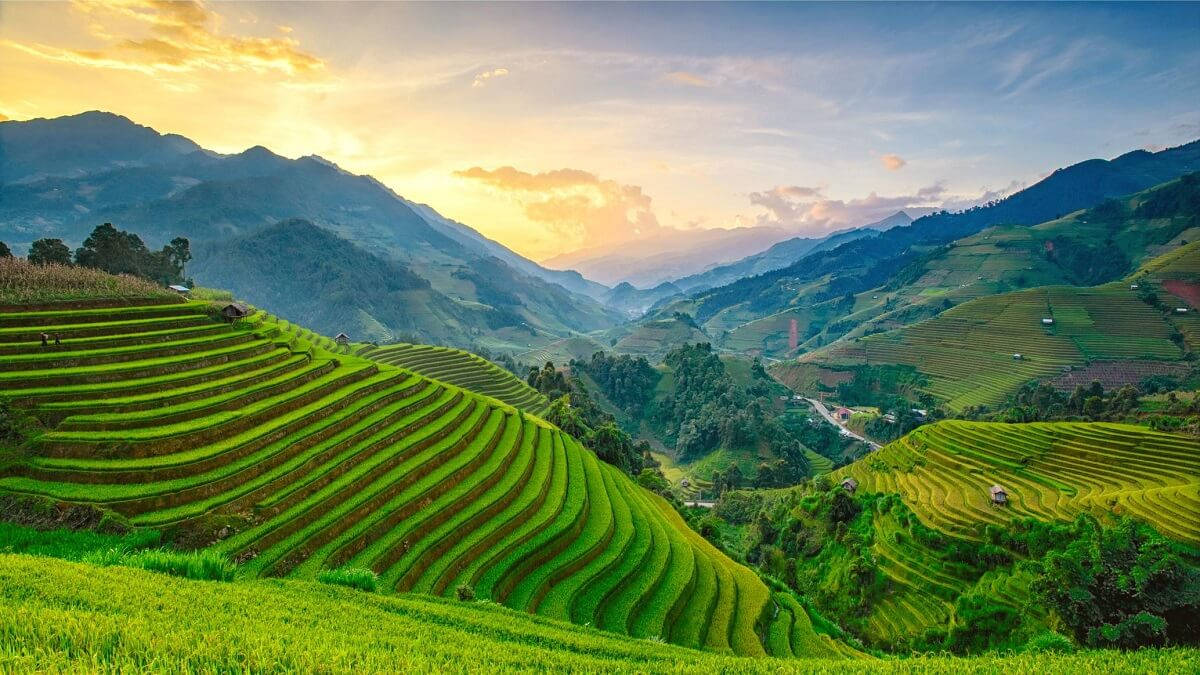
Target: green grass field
[
  {"x": 275, "y": 448},
  {"x": 62, "y": 616}
]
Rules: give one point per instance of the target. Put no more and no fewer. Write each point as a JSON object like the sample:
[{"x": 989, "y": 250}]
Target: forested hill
[{"x": 865, "y": 263}]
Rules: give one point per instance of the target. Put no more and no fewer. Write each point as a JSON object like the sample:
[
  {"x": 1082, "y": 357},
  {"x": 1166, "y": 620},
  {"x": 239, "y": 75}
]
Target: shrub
[
  {"x": 1048, "y": 642},
  {"x": 354, "y": 577},
  {"x": 465, "y": 593}
]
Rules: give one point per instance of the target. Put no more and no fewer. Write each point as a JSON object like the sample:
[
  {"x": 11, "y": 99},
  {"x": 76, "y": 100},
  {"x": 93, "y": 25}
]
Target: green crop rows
[
  {"x": 1050, "y": 471},
  {"x": 323, "y": 460},
  {"x": 462, "y": 369},
  {"x": 968, "y": 351},
  {"x": 60, "y": 616}
]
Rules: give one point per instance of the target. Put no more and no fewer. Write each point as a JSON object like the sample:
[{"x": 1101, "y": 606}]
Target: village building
[
  {"x": 342, "y": 339},
  {"x": 843, "y": 413},
  {"x": 998, "y": 494},
  {"x": 850, "y": 485},
  {"x": 234, "y": 311},
  {"x": 1047, "y": 321}
]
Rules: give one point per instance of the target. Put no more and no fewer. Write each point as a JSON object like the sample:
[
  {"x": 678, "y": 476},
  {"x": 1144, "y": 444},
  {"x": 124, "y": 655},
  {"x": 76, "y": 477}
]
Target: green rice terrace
[
  {"x": 981, "y": 351},
  {"x": 291, "y": 459},
  {"x": 136, "y": 620},
  {"x": 462, "y": 369},
  {"x": 1048, "y": 470}
]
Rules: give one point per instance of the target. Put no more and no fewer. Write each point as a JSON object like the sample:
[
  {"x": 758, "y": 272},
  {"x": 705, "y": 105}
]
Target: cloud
[
  {"x": 172, "y": 38},
  {"x": 686, "y": 78},
  {"x": 482, "y": 78},
  {"x": 892, "y": 162},
  {"x": 580, "y": 207},
  {"x": 807, "y": 209}
]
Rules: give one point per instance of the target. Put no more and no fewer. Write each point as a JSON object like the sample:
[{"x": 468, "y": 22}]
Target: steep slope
[
  {"x": 79, "y": 144},
  {"x": 171, "y": 188},
  {"x": 292, "y": 459},
  {"x": 859, "y": 266},
  {"x": 371, "y": 297}
]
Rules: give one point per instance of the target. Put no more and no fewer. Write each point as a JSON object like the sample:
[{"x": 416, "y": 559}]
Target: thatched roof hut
[{"x": 234, "y": 311}]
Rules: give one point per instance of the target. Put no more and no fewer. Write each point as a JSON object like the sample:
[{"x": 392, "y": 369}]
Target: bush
[
  {"x": 1048, "y": 642},
  {"x": 465, "y": 593},
  {"x": 198, "y": 565},
  {"x": 354, "y": 577}
]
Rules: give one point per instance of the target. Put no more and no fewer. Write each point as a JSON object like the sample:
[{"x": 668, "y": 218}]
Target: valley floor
[{"x": 64, "y": 616}]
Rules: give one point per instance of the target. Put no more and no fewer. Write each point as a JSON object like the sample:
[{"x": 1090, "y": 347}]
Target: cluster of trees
[
  {"x": 574, "y": 411},
  {"x": 627, "y": 381},
  {"x": 1040, "y": 402},
  {"x": 116, "y": 252},
  {"x": 1120, "y": 584},
  {"x": 1123, "y": 586},
  {"x": 709, "y": 410}
]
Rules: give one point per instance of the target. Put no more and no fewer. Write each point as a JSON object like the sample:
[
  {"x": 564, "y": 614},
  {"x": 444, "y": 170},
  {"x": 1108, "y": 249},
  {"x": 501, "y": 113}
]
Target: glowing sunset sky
[{"x": 555, "y": 127}]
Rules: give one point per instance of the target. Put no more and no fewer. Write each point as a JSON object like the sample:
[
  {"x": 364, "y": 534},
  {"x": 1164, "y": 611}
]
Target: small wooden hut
[
  {"x": 234, "y": 311},
  {"x": 342, "y": 339},
  {"x": 999, "y": 496},
  {"x": 850, "y": 485}
]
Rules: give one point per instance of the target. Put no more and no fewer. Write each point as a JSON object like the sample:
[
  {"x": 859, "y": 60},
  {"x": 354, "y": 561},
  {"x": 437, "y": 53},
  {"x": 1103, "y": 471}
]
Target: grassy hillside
[
  {"x": 1083, "y": 248},
  {"x": 1051, "y": 471},
  {"x": 967, "y": 353},
  {"x": 69, "y": 616},
  {"x": 252, "y": 439},
  {"x": 462, "y": 369}
]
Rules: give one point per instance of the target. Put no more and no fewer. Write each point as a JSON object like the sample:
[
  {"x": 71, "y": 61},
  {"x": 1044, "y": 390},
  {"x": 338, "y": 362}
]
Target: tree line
[{"x": 116, "y": 252}]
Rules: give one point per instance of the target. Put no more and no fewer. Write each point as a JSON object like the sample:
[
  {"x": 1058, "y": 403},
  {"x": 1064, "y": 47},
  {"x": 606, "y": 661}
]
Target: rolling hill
[
  {"x": 252, "y": 439},
  {"x": 981, "y": 351},
  {"x": 819, "y": 280}
]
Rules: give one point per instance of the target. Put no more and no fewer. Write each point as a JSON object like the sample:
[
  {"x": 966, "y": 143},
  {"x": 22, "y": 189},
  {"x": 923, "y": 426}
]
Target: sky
[{"x": 556, "y": 127}]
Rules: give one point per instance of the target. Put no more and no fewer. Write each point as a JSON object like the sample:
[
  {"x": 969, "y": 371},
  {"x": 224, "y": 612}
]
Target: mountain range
[{"x": 62, "y": 177}]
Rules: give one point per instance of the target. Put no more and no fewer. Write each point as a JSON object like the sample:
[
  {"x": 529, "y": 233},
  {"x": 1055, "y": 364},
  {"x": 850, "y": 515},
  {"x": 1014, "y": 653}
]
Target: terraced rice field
[
  {"x": 1051, "y": 471},
  {"x": 462, "y": 369},
  {"x": 318, "y": 460},
  {"x": 967, "y": 351}
]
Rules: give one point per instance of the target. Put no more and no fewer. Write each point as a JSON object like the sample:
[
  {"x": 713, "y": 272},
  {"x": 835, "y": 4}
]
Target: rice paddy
[{"x": 293, "y": 460}]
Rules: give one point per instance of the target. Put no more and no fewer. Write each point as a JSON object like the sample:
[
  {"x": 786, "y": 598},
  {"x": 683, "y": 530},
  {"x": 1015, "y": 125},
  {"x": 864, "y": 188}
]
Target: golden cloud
[
  {"x": 173, "y": 37},
  {"x": 689, "y": 79},
  {"x": 482, "y": 78},
  {"x": 578, "y": 205},
  {"x": 892, "y": 162}
]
